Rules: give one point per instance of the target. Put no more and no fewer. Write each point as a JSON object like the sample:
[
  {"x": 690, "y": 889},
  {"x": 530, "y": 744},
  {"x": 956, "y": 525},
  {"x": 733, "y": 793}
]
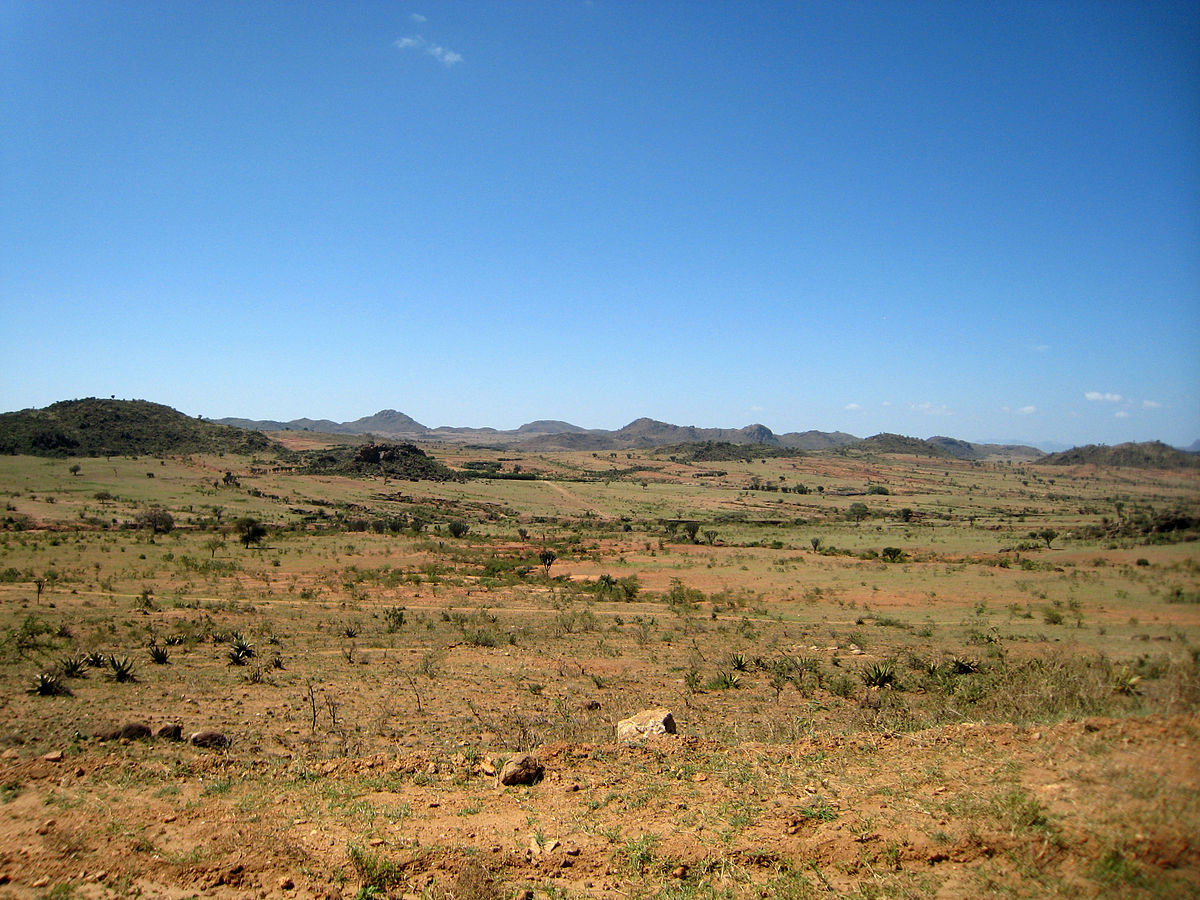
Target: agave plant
[
  {"x": 960, "y": 666},
  {"x": 121, "y": 670},
  {"x": 882, "y": 674},
  {"x": 73, "y": 667},
  {"x": 738, "y": 662},
  {"x": 49, "y": 684},
  {"x": 96, "y": 659},
  {"x": 1125, "y": 682},
  {"x": 724, "y": 681},
  {"x": 159, "y": 655}
]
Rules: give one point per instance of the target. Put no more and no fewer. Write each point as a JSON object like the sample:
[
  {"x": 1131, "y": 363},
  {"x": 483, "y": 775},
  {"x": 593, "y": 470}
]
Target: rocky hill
[{"x": 96, "y": 427}]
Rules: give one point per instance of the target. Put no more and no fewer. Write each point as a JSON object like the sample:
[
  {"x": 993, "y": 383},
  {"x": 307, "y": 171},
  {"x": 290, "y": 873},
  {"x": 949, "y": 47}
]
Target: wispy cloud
[
  {"x": 853, "y": 407},
  {"x": 418, "y": 18},
  {"x": 1121, "y": 414},
  {"x": 1026, "y": 410},
  {"x": 444, "y": 55},
  {"x": 1104, "y": 397},
  {"x": 1151, "y": 404},
  {"x": 931, "y": 409},
  {"x": 441, "y": 54}
]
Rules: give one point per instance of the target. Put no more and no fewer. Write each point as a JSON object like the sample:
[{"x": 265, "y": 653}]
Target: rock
[
  {"x": 523, "y": 768},
  {"x": 54, "y": 756},
  {"x": 591, "y": 704},
  {"x": 286, "y": 884},
  {"x": 173, "y": 732},
  {"x": 649, "y": 721},
  {"x": 210, "y": 739},
  {"x": 134, "y": 731},
  {"x": 10, "y": 753}
]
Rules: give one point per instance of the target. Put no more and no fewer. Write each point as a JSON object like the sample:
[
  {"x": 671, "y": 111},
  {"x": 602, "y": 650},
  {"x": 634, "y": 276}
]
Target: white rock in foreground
[{"x": 640, "y": 726}]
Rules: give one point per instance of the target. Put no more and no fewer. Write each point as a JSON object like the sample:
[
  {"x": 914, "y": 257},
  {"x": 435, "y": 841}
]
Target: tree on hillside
[
  {"x": 857, "y": 511},
  {"x": 250, "y": 531},
  {"x": 547, "y": 557},
  {"x": 157, "y": 519}
]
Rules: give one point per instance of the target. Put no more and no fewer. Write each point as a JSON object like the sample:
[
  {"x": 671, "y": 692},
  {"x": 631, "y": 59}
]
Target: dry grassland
[{"x": 924, "y": 702}]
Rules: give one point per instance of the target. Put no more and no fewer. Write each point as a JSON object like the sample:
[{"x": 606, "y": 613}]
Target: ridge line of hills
[
  {"x": 643, "y": 433},
  {"x": 103, "y": 427}
]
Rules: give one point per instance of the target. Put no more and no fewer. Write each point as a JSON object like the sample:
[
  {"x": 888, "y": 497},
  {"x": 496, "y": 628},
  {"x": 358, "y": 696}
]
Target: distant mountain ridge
[{"x": 642, "y": 433}]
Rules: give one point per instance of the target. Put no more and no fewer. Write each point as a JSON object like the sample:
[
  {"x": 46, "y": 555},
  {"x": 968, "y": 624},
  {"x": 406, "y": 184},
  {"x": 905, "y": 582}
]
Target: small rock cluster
[{"x": 139, "y": 731}]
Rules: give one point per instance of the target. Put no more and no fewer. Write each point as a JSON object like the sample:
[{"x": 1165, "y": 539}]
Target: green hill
[
  {"x": 94, "y": 427},
  {"x": 1148, "y": 455}
]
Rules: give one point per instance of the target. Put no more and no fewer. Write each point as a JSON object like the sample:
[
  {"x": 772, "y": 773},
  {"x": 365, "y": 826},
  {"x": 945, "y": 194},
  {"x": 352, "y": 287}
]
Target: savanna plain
[{"x": 889, "y": 675}]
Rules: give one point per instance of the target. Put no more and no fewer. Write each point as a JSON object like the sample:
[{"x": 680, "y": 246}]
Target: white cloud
[
  {"x": 853, "y": 407},
  {"x": 442, "y": 54},
  {"x": 1026, "y": 410},
  {"x": 1122, "y": 414},
  {"x": 1106, "y": 397},
  {"x": 931, "y": 409},
  {"x": 1151, "y": 404},
  {"x": 418, "y": 18},
  {"x": 1039, "y": 348}
]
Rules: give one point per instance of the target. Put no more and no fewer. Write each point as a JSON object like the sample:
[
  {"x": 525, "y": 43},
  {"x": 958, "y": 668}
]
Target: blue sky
[{"x": 973, "y": 219}]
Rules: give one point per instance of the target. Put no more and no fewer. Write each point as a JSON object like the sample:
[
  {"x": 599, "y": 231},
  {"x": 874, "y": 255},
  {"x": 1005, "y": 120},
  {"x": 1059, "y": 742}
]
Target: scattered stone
[
  {"x": 591, "y": 704},
  {"x": 679, "y": 871},
  {"x": 10, "y": 753},
  {"x": 524, "y": 894},
  {"x": 488, "y": 767},
  {"x": 286, "y": 884},
  {"x": 572, "y": 788},
  {"x": 172, "y": 732},
  {"x": 523, "y": 768},
  {"x": 649, "y": 721},
  {"x": 134, "y": 731},
  {"x": 54, "y": 756},
  {"x": 210, "y": 739}
]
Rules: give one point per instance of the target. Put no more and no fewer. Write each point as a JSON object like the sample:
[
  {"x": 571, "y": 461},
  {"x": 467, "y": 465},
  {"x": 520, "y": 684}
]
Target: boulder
[
  {"x": 172, "y": 732},
  {"x": 648, "y": 722},
  {"x": 211, "y": 739},
  {"x": 523, "y": 768}
]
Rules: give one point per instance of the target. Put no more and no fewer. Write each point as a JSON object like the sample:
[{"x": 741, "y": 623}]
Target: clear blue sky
[{"x": 973, "y": 219}]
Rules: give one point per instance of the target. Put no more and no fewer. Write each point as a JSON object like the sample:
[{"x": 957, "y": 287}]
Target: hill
[
  {"x": 95, "y": 427},
  {"x": 967, "y": 450},
  {"x": 1147, "y": 455},
  {"x": 392, "y": 460},
  {"x": 898, "y": 443}
]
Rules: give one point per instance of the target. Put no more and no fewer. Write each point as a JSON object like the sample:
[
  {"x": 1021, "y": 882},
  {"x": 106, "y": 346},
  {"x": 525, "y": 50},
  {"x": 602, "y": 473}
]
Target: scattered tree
[
  {"x": 157, "y": 519},
  {"x": 250, "y": 531},
  {"x": 458, "y": 528},
  {"x": 547, "y": 557}
]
